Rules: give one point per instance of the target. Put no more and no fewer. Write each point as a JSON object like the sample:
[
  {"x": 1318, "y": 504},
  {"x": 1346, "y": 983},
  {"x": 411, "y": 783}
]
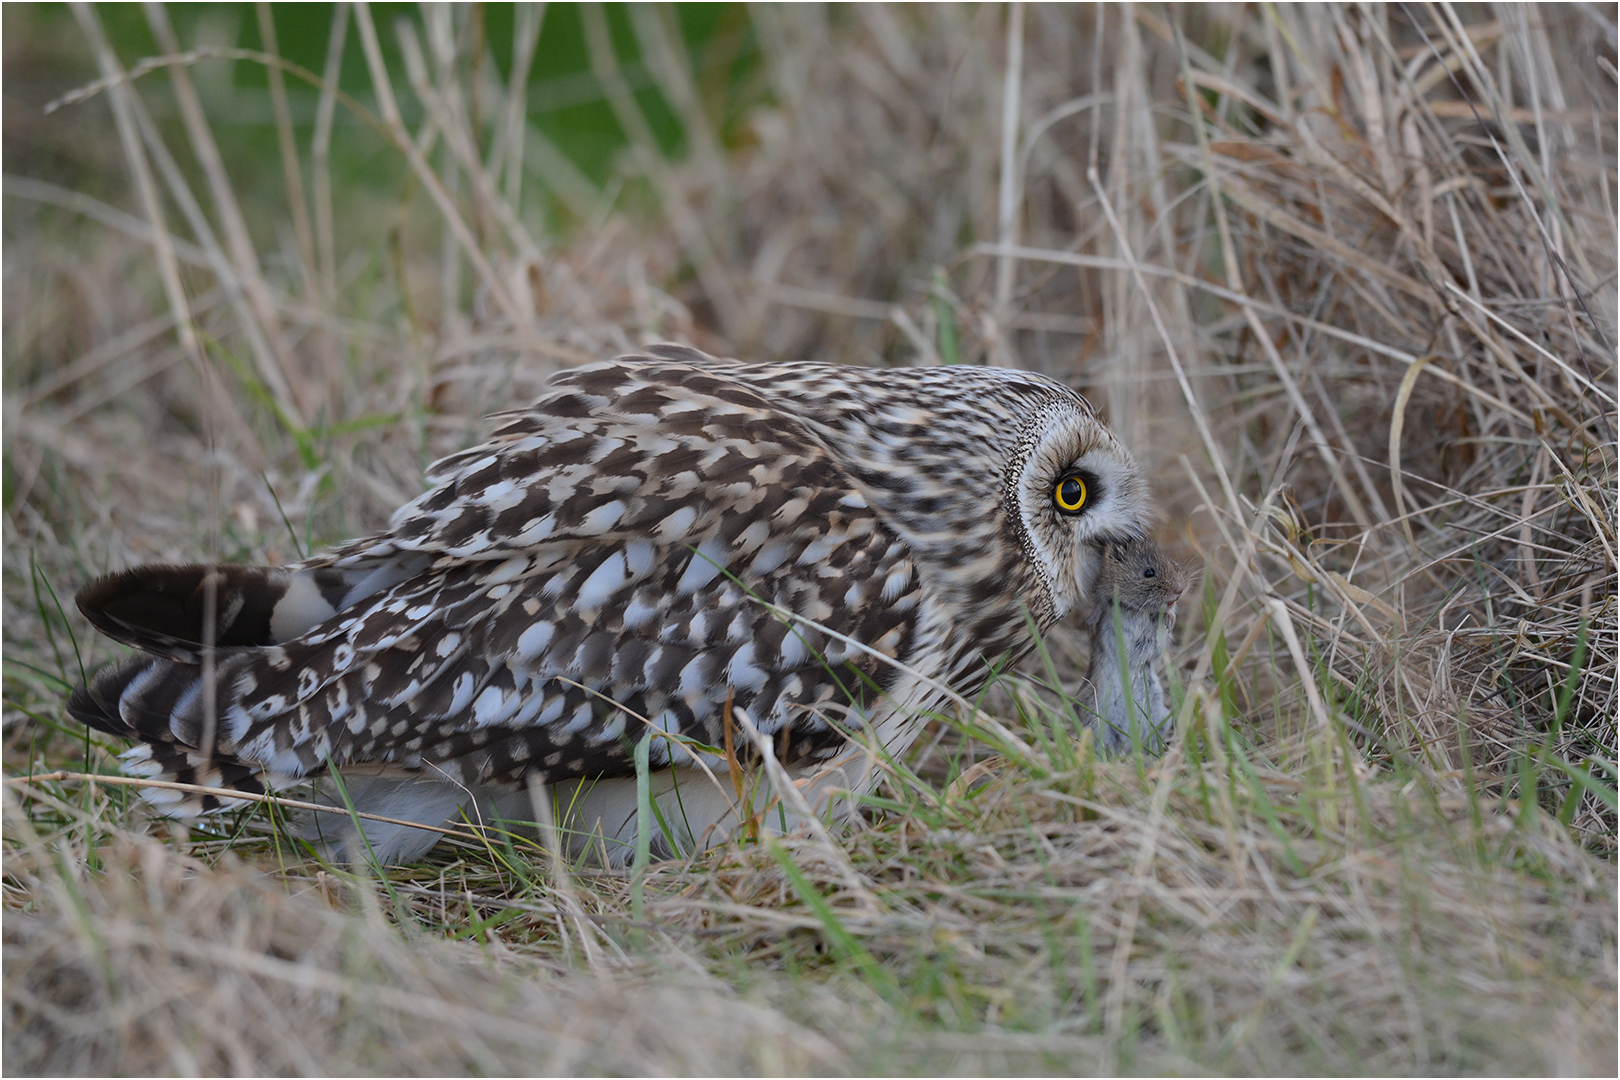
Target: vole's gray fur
[{"x": 1141, "y": 583}]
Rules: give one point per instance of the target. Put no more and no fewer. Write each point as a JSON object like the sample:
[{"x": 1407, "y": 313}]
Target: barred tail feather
[
  {"x": 151, "y": 697},
  {"x": 172, "y": 614},
  {"x": 165, "y": 761},
  {"x": 158, "y": 701}
]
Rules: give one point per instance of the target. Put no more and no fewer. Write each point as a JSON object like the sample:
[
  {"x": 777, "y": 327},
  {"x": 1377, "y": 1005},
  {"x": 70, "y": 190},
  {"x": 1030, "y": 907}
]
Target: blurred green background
[{"x": 47, "y": 55}]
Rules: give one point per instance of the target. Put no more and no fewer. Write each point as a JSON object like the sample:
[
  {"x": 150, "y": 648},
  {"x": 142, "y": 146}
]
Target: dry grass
[{"x": 1343, "y": 277}]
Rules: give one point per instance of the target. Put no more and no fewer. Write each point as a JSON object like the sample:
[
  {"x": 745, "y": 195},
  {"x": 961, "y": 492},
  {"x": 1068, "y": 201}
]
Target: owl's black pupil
[{"x": 1071, "y": 490}]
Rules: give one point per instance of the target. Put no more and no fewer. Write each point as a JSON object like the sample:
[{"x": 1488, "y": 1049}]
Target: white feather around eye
[{"x": 1062, "y": 440}]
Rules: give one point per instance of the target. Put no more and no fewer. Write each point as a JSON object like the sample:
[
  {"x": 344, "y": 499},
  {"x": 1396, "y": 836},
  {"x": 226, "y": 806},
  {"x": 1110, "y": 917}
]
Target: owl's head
[{"x": 1070, "y": 490}]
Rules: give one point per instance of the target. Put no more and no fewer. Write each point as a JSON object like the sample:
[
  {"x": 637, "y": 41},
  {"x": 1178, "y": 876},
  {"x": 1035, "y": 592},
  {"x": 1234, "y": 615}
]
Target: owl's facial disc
[{"x": 1077, "y": 488}]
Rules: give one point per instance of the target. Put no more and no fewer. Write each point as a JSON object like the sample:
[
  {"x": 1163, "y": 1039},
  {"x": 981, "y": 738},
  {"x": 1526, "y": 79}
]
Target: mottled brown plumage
[{"x": 828, "y": 546}]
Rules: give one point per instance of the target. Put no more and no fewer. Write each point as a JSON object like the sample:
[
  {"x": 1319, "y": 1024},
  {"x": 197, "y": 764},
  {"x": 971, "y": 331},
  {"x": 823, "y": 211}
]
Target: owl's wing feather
[
  {"x": 600, "y": 556},
  {"x": 612, "y": 451}
]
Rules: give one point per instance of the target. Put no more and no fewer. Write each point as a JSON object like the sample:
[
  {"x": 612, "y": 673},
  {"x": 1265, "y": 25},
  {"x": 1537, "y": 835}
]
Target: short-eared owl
[
  {"x": 826, "y": 548},
  {"x": 1137, "y": 589}
]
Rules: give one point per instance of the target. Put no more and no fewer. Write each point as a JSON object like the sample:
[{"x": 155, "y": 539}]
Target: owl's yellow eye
[{"x": 1071, "y": 494}]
